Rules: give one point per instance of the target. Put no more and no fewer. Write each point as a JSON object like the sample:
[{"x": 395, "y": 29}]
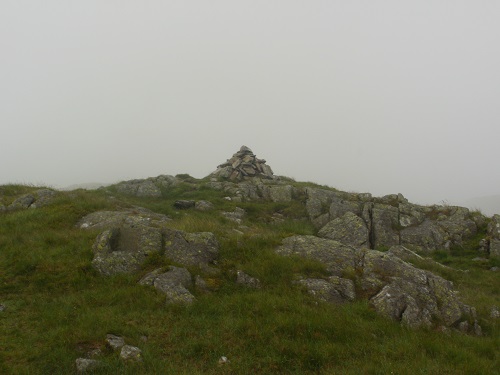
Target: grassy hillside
[{"x": 57, "y": 308}]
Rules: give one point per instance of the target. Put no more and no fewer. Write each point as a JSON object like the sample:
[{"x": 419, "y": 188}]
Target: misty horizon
[{"x": 381, "y": 98}]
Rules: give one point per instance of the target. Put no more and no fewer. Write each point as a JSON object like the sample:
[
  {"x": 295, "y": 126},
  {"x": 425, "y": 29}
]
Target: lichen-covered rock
[
  {"x": 139, "y": 188},
  {"x": 150, "y": 187},
  {"x": 385, "y": 223},
  {"x": 43, "y": 198},
  {"x": 130, "y": 217},
  {"x": 114, "y": 342},
  {"x": 174, "y": 284},
  {"x": 336, "y": 256},
  {"x": 281, "y": 193},
  {"x": 395, "y": 288},
  {"x": 87, "y": 365},
  {"x": 494, "y": 236},
  {"x": 24, "y": 201},
  {"x": 237, "y": 215},
  {"x": 333, "y": 290},
  {"x": 131, "y": 353},
  {"x": 425, "y": 237},
  {"x": 340, "y": 206},
  {"x": 245, "y": 279},
  {"x": 349, "y": 229},
  {"x": 197, "y": 249},
  {"x": 125, "y": 249}
]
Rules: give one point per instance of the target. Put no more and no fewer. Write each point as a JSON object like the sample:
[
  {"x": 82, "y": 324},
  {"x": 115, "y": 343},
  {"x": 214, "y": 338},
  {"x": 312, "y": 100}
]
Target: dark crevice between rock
[{"x": 371, "y": 229}]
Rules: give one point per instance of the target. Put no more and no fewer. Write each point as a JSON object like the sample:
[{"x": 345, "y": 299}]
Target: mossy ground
[{"x": 57, "y": 308}]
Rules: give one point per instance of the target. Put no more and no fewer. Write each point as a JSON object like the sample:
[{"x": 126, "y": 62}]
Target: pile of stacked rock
[{"x": 242, "y": 165}]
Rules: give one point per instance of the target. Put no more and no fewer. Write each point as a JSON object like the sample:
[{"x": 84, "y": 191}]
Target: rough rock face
[
  {"x": 493, "y": 246},
  {"x": 39, "y": 198},
  {"x": 390, "y": 220},
  {"x": 395, "y": 288},
  {"x": 150, "y": 187},
  {"x": 196, "y": 249},
  {"x": 334, "y": 289},
  {"x": 243, "y": 164},
  {"x": 174, "y": 284},
  {"x": 130, "y": 237},
  {"x": 349, "y": 229}
]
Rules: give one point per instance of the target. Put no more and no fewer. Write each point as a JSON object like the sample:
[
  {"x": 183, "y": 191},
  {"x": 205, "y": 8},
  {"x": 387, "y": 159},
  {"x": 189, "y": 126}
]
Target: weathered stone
[
  {"x": 114, "y": 219},
  {"x": 184, "y": 204},
  {"x": 139, "y": 188},
  {"x": 132, "y": 236},
  {"x": 237, "y": 215},
  {"x": 175, "y": 276},
  {"x": 348, "y": 229},
  {"x": 318, "y": 203},
  {"x": 2, "y": 307},
  {"x": 336, "y": 256},
  {"x": 203, "y": 206},
  {"x": 281, "y": 193},
  {"x": 395, "y": 288},
  {"x": 114, "y": 342},
  {"x": 124, "y": 249},
  {"x": 43, "y": 198},
  {"x": 174, "y": 284},
  {"x": 247, "y": 280},
  {"x": 410, "y": 215},
  {"x": 87, "y": 365},
  {"x": 150, "y": 187},
  {"x": 333, "y": 290},
  {"x": 197, "y": 249},
  {"x": 403, "y": 253},
  {"x": 131, "y": 353},
  {"x": 494, "y": 312},
  {"x": 385, "y": 222},
  {"x": 339, "y": 207},
  {"x": 425, "y": 237},
  {"x": 394, "y": 302},
  {"x": 24, "y": 201},
  {"x": 494, "y": 235}
]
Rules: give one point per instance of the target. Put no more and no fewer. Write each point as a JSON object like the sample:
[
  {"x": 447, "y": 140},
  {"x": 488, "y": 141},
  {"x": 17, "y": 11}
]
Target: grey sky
[{"x": 377, "y": 96}]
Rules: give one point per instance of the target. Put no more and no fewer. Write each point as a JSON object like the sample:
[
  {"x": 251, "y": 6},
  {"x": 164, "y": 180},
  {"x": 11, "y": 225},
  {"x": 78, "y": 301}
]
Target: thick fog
[{"x": 367, "y": 96}]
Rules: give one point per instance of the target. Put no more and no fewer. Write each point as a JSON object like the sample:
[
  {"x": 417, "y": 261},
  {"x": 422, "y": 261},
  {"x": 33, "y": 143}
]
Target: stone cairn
[{"x": 242, "y": 165}]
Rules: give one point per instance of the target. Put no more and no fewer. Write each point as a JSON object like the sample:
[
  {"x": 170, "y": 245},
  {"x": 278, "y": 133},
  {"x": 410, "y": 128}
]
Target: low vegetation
[{"x": 57, "y": 308}]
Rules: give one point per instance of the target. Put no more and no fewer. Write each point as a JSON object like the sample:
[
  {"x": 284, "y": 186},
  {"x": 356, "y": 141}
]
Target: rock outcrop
[
  {"x": 395, "y": 288},
  {"x": 150, "y": 187},
  {"x": 242, "y": 165},
  {"x": 493, "y": 241},
  {"x": 174, "y": 284},
  {"x": 39, "y": 198},
  {"x": 131, "y": 236},
  {"x": 389, "y": 220}
]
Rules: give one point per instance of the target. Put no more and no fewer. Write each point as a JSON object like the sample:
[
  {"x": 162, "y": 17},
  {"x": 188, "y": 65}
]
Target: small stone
[
  {"x": 2, "y": 308},
  {"x": 244, "y": 279},
  {"x": 115, "y": 342},
  {"x": 84, "y": 364},
  {"x": 494, "y": 269},
  {"x": 463, "y": 326},
  {"x": 494, "y": 312},
  {"x": 223, "y": 360},
  {"x": 131, "y": 353}
]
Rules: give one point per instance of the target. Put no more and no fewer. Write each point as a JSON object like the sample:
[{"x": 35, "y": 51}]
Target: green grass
[{"x": 58, "y": 308}]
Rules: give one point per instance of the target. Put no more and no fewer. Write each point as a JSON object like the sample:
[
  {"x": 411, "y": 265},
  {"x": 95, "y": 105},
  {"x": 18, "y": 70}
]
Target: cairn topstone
[{"x": 244, "y": 164}]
